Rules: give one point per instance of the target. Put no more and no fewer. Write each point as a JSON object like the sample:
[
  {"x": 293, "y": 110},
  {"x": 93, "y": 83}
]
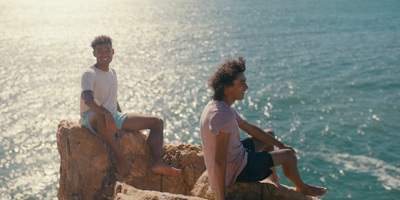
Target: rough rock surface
[
  {"x": 124, "y": 191},
  {"x": 88, "y": 171},
  {"x": 85, "y": 170},
  {"x": 263, "y": 190}
]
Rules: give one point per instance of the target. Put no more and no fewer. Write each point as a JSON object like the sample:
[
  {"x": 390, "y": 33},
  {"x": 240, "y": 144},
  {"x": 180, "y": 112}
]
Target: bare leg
[
  {"x": 287, "y": 159},
  {"x": 135, "y": 122},
  {"x": 99, "y": 125},
  {"x": 261, "y": 146}
]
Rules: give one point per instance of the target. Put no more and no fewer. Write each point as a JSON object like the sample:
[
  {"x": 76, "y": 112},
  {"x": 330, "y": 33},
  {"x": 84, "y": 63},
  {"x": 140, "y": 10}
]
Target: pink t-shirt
[{"x": 218, "y": 116}]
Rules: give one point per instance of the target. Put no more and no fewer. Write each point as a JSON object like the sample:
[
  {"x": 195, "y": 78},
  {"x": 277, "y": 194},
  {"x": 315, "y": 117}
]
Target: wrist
[
  {"x": 108, "y": 115},
  {"x": 281, "y": 145}
]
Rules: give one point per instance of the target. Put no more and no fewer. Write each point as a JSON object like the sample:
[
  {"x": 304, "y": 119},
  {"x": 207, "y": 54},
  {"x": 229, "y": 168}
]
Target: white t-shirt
[
  {"x": 218, "y": 116},
  {"x": 104, "y": 86}
]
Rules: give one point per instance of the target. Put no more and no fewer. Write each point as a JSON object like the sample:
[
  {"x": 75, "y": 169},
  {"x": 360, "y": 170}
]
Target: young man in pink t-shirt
[{"x": 229, "y": 159}]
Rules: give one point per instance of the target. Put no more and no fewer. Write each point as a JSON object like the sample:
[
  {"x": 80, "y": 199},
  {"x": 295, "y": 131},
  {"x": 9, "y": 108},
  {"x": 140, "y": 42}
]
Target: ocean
[{"x": 323, "y": 74}]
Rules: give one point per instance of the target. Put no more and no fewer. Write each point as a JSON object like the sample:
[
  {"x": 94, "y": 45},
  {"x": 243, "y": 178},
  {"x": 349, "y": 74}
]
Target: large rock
[
  {"x": 263, "y": 190},
  {"x": 126, "y": 192},
  {"x": 88, "y": 170}
]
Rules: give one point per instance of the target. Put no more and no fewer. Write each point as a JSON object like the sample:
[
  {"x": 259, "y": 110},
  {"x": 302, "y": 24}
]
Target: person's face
[
  {"x": 239, "y": 87},
  {"x": 103, "y": 53}
]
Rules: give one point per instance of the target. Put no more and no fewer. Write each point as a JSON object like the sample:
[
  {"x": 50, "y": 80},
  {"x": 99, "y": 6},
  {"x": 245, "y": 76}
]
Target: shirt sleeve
[
  {"x": 239, "y": 119},
  {"x": 87, "y": 81},
  {"x": 221, "y": 121},
  {"x": 115, "y": 74}
]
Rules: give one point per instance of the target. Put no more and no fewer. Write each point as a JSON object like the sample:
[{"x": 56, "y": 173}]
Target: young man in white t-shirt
[
  {"x": 227, "y": 158},
  {"x": 101, "y": 113}
]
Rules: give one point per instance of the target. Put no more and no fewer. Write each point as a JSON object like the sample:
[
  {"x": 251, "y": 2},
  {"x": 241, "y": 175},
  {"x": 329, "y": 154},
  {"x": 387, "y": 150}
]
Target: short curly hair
[
  {"x": 102, "y": 39},
  {"x": 224, "y": 76}
]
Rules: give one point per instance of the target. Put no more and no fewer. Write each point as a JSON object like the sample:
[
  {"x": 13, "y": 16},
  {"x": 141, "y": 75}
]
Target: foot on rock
[
  {"x": 165, "y": 169},
  {"x": 312, "y": 190},
  {"x": 275, "y": 178}
]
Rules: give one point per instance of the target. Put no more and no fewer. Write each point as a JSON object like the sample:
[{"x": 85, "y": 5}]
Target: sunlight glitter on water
[{"x": 322, "y": 82}]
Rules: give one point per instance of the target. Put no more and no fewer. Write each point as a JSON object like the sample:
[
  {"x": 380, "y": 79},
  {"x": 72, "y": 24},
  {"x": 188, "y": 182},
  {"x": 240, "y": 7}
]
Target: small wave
[{"x": 386, "y": 173}]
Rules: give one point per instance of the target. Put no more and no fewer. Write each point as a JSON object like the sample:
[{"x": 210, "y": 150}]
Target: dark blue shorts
[{"x": 258, "y": 165}]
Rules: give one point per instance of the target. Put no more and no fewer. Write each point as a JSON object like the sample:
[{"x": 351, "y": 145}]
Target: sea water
[{"x": 323, "y": 74}]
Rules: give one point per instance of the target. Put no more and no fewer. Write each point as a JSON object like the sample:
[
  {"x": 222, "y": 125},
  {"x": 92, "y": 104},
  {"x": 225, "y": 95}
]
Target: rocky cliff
[{"x": 87, "y": 170}]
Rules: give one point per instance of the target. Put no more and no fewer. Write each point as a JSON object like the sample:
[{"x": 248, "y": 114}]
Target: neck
[
  {"x": 228, "y": 100},
  {"x": 102, "y": 67}
]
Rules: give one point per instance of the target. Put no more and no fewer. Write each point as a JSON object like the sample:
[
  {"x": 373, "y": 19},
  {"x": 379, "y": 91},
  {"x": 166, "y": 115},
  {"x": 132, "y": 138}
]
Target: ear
[
  {"x": 94, "y": 54},
  {"x": 227, "y": 88}
]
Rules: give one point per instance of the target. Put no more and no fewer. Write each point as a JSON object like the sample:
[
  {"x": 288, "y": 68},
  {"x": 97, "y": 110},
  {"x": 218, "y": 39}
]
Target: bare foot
[
  {"x": 123, "y": 167},
  {"x": 312, "y": 190},
  {"x": 275, "y": 178},
  {"x": 165, "y": 169}
]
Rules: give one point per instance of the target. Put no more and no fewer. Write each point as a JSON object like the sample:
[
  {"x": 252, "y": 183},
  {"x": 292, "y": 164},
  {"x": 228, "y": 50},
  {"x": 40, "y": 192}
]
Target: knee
[
  {"x": 290, "y": 156},
  {"x": 158, "y": 123}
]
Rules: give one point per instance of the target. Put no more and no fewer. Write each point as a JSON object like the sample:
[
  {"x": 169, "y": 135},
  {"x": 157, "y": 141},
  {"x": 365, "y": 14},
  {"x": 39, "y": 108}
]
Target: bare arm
[
  {"x": 89, "y": 100},
  {"x": 259, "y": 134},
  {"x": 88, "y": 97},
  {"x": 220, "y": 162}
]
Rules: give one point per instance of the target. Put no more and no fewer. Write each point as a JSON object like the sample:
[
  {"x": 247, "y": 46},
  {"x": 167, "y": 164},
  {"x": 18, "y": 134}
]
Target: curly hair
[
  {"x": 102, "y": 39},
  {"x": 224, "y": 76}
]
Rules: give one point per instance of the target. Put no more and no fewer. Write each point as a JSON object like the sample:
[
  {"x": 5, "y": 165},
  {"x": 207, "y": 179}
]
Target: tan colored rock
[
  {"x": 188, "y": 158},
  {"x": 88, "y": 169},
  {"x": 263, "y": 190},
  {"x": 85, "y": 165},
  {"x": 124, "y": 191}
]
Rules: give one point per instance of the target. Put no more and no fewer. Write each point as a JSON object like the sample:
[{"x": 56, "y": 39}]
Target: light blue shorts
[{"x": 119, "y": 118}]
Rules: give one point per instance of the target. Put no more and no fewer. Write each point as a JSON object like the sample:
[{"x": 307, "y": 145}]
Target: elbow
[
  {"x": 86, "y": 101},
  {"x": 87, "y": 98}
]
